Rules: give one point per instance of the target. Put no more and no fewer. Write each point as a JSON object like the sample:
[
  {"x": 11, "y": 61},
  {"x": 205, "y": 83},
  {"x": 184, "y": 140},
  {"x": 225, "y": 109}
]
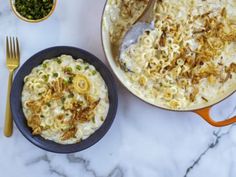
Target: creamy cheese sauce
[
  {"x": 188, "y": 60},
  {"x": 65, "y": 100}
]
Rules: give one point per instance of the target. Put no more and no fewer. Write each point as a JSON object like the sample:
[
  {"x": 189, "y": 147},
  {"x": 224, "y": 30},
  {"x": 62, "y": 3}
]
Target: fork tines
[{"x": 12, "y": 48}]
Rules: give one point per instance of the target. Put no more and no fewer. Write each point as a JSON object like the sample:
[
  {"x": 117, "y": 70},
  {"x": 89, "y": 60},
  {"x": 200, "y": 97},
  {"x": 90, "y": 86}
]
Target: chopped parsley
[
  {"x": 68, "y": 69},
  {"x": 78, "y": 67},
  {"x": 34, "y": 9},
  {"x": 71, "y": 95},
  {"x": 46, "y": 77},
  {"x": 93, "y": 119},
  {"x": 70, "y": 80},
  {"x": 55, "y": 74},
  {"x": 63, "y": 99},
  {"x": 59, "y": 61},
  {"x": 45, "y": 65},
  {"x": 94, "y": 72},
  {"x": 48, "y": 104},
  {"x": 65, "y": 82}
]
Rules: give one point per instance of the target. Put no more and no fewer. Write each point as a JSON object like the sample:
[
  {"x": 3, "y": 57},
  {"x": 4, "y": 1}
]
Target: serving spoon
[{"x": 143, "y": 23}]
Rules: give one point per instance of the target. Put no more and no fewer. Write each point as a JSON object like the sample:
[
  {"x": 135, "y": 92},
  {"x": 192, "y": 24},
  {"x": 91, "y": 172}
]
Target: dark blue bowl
[{"x": 17, "y": 87}]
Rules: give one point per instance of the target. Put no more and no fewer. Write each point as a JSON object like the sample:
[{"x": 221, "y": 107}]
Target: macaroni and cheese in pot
[{"x": 187, "y": 61}]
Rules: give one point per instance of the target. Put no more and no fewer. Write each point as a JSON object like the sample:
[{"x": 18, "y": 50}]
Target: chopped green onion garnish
[
  {"x": 94, "y": 119},
  {"x": 63, "y": 99},
  {"x": 34, "y": 9},
  {"x": 46, "y": 77},
  {"x": 45, "y": 65},
  {"x": 70, "y": 80},
  {"x": 65, "y": 82},
  {"x": 71, "y": 95},
  {"x": 94, "y": 72},
  {"x": 78, "y": 67},
  {"x": 68, "y": 69},
  {"x": 59, "y": 61},
  {"x": 55, "y": 74}
]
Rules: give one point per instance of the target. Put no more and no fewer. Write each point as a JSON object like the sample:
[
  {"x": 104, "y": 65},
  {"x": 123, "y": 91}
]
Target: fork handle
[{"x": 8, "y": 129}]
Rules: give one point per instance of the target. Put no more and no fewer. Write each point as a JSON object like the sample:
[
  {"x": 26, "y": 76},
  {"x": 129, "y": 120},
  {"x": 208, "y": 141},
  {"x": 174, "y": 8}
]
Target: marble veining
[
  {"x": 218, "y": 136},
  {"x": 73, "y": 159},
  {"x": 144, "y": 141}
]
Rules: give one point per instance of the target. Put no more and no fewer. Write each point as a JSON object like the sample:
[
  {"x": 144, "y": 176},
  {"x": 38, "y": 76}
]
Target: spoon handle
[{"x": 148, "y": 13}]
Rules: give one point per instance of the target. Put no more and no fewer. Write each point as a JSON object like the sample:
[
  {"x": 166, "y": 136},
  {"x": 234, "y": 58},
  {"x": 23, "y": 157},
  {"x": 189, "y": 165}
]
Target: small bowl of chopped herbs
[{"x": 33, "y": 11}]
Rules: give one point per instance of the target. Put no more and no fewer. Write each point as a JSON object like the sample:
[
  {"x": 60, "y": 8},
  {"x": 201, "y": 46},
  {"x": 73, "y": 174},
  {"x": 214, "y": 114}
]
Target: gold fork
[{"x": 13, "y": 62}]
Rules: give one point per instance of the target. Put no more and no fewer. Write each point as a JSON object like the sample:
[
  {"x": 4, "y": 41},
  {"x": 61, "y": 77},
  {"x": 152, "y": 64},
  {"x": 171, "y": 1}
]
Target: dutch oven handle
[{"x": 205, "y": 114}]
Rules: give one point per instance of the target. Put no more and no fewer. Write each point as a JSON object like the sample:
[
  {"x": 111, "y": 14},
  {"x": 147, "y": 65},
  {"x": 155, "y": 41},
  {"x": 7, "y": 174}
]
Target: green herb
[
  {"x": 102, "y": 118},
  {"x": 70, "y": 80},
  {"x": 59, "y": 61},
  {"x": 78, "y": 67},
  {"x": 55, "y": 74},
  {"x": 68, "y": 69},
  {"x": 27, "y": 79},
  {"x": 34, "y": 9},
  {"x": 94, "y": 72},
  {"x": 86, "y": 67},
  {"x": 71, "y": 95},
  {"x": 94, "y": 120},
  {"x": 65, "y": 82},
  {"x": 63, "y": 99},
  {"x": 46, "y": 77},
  {"x": 48, "y": 104},
  {"x": 45, "y": 65}
]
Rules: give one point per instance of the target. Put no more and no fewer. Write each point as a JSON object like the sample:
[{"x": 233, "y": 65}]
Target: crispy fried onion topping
[
  {"x": 81, "y": 111},
  {"x": 188, "y": 50}
]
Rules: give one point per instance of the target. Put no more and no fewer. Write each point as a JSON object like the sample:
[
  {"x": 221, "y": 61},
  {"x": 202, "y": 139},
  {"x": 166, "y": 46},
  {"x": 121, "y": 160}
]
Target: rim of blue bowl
[{"x": 16, "y": 105}]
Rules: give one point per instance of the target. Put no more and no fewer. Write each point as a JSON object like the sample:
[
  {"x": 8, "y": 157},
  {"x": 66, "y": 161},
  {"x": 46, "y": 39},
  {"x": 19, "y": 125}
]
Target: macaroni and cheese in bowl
[
  {"x": 68, "y": 99},
  {"x": 187, "y": 62},
  {"x": 65, "y": 100}
]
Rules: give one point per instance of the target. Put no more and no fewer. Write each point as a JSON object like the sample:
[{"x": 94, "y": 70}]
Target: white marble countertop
[{"x": 144, "y": 141}]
